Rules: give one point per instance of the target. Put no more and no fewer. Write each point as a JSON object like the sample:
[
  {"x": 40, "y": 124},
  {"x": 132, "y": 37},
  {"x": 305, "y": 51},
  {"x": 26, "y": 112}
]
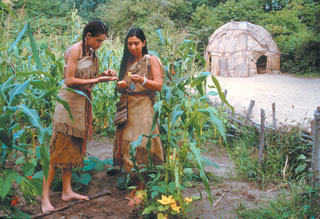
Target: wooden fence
[{"x": 306, "y": 137}]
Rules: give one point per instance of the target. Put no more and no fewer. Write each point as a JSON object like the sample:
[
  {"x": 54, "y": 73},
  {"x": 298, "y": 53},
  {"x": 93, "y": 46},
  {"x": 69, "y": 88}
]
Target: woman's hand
[
  {"x": 109, "y": 72},
  {"x": 122, "y": 84},
  {"x": 137, "y": 78},
  {"x": 106, "y": 78}
]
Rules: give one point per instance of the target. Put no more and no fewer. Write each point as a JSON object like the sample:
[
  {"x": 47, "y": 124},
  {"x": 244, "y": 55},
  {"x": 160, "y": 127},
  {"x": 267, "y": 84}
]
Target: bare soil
[{"x": 229, "y": 191}]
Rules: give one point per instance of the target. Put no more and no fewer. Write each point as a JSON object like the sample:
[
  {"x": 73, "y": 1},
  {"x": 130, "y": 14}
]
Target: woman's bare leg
[
  {"x": 46, "y": 205},
  {"x": 67, "y": 193}
]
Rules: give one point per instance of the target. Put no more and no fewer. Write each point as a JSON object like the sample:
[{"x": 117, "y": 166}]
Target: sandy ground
[{"x": 295, "y": 98}]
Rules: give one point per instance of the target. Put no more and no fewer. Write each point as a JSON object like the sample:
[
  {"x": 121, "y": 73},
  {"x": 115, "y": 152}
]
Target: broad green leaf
[
  {"x": 42, "y": 73},
  {"x": 172, "y": 187},
  {"x": 44, "y": 153},
  {"x": 176, "y": 115},
  {"x": 66, "y": 106},
  {"x": 17, "y": 135},
  {"x": 18, "y": 89},
  {"x": 5, "y": 137},
  {"x": 48, "y": 93},
  {"x": 5, "y": 186},
  {"x": 83, "y": 178},
  {"x": 38, "y": 175},
  {"x": 19, "y": 37},
  {"x": 135, "y": 144},
  {"x": 28, "y": 169},
  {"x": 159, "y": 33},
  {"x": 199, "y": 161},
  {"x": 207, "y": 162},
  {"x": 221, "y": 94},
  {"x": 78, "y": 92},
  {"x": 4, "y": 87},
  {"x": 154, "y": 194},
  {"x": 216, "y": 121},
  {"x": 199, "y": 79},
  {"x": 148, "y": 210},
  {"x": 34, "y": 49}
]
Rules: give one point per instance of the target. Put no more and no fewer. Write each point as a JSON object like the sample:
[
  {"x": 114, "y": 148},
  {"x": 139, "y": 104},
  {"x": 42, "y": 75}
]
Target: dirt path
[
  {"x": 233, "y": 192},
  {"x": 295, "y": 98}
]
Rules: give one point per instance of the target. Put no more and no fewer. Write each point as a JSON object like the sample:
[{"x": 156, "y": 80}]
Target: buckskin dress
[
  {"x": 69, "y": 137},
  {"x": 140, "y": 113}
]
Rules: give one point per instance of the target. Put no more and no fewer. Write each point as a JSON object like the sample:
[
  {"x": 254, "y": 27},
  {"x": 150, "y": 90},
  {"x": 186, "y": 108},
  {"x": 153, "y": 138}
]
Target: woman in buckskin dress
[
  {"x": 139, "y": 77},
  {"x": 69, "y": 136}
]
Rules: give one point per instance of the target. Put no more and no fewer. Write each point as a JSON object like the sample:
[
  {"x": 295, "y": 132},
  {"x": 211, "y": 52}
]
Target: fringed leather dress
[
  {"x": 140, "y": 113},
  {"x": 69, "y": 136}
]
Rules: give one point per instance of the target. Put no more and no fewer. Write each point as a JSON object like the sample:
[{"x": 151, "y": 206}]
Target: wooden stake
[
  {"x": 262, "y": 124},
  {"x": 249, "y": 111},
  {"x": 219, "y": 199},
  {"x": 315, "y": 162},
  {"x": 274, "y": 115},
  {"x": 72, "y": 203}
]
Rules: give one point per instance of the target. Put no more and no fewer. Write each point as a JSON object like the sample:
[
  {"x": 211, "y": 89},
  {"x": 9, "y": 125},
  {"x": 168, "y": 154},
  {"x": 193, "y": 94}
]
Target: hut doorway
[{"x": 262, "y": 65}]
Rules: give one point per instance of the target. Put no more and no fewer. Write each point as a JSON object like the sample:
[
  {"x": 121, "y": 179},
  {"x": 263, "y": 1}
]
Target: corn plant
[{"x": 181, "y": 114}]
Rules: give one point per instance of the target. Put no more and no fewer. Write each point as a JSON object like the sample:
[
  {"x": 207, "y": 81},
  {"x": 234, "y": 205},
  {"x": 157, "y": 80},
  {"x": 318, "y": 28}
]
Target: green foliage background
[
  {"x": 34, "y": 35},
  {"x": 293, "y": 24}
]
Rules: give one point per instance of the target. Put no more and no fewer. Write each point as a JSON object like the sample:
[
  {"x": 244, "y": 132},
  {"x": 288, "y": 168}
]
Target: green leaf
[
  {"x": 199, "y": 161},
  {"x": 199, "y": 79},
  {"x": 44, "y": 152},
  {"x": 19, "y": 37},
  {"x": 148, "y": 210},
  {"x": 84, "y": 178},
  {"x": 176, "y": 115},
  {"x": 5, "y": 137},
  {"x": 5, "y": 186},
  {"x": 135, "y": 144},
  {"x": 4, "y": 87},
  {"x": 216, "y": 121},
  {"x": 28, "y": 169},
  {"x": 300, "y": 168},
  {"x": 221, "y": 94},
  {"x": 41, "y": 73},
  {"x": 66, "y": 106},
  {"x": 301, "y": 157},
  {"x": 18, "y": 89},
  {"x": 78, "y": 92},
  {"x": 207, "y": 162},
  {"x": 187, "y": 183},
  {"x": 34, "y": 49},
  {"x": 154, "y": 194},
  {"x": 159, "y": 33},
  {"x": 38, "y": 175},
  {"x": 172, "y": 187}
]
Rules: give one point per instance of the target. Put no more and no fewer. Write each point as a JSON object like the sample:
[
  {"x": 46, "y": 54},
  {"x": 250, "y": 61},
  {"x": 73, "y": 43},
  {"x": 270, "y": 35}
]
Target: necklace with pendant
[{"x": 132, "y": 86}]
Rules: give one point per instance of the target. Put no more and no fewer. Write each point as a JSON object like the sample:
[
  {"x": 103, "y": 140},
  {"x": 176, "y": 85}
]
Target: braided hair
[{"x": 95, "y": 27}]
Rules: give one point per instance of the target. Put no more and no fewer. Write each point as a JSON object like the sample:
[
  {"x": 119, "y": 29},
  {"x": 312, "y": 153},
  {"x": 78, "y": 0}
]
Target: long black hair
[
  {"x": 95, "y": 27},
  {"x": 127, "y": 57}
]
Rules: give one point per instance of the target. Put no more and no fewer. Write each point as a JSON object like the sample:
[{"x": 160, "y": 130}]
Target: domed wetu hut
[{"x": 242, "y": 49}]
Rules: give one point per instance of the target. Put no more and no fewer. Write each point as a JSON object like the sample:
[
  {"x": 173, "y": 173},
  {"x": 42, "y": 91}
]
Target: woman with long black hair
[{"x": 139, "y": 77}]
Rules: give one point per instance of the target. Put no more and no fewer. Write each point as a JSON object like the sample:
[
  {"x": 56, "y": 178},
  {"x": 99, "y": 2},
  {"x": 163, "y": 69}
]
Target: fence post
[
  {"x": 315, "y": 162},
  {"x": 249, "y": 111},
  {"x": 274, "y": 115},
  {"x": 260, "y": 158}
]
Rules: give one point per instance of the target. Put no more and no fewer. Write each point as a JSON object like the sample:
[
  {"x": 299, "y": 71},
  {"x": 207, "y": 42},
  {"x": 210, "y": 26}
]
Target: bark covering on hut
[{"x": 242, "y": 49}]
